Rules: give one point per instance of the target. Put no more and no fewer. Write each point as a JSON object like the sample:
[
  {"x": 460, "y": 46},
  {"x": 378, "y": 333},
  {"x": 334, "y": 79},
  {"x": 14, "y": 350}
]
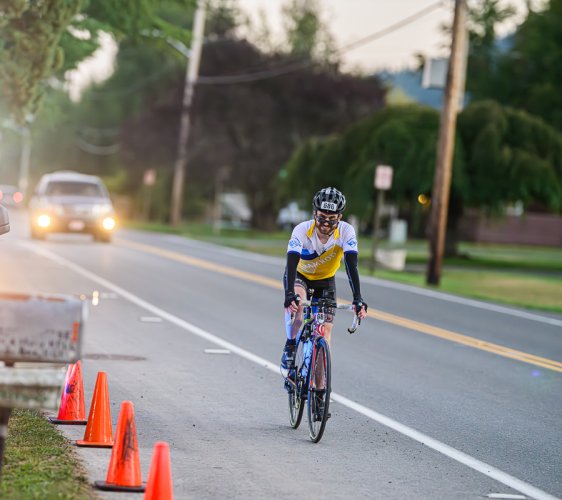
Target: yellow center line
[{"x": 373, "y": 313}]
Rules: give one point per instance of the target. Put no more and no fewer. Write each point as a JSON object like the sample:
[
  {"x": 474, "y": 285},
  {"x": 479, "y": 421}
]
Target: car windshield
[{"x": 69, "y": 188}]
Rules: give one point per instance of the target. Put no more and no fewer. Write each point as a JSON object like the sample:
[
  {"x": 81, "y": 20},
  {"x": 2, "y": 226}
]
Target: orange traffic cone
[
  {"x": 72, "y": 410},
  {"x": 98, "y": 431},
  {"x": 124, "y": 473},
  {"x": 159, "y": 485}
]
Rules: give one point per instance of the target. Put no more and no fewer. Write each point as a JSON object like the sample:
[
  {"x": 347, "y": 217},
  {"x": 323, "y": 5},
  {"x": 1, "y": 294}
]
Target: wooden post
[
  {"x": 376, "y": 226},
  {"x": 189, "y": 89},
  {"x": 445, "y": 148}
]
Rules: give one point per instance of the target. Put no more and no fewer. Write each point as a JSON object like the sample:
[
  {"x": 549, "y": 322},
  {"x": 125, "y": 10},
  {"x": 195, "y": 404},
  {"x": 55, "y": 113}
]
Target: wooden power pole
[
  {"x": 445, "y": 148},
  {"x": 189, "y": 88}
]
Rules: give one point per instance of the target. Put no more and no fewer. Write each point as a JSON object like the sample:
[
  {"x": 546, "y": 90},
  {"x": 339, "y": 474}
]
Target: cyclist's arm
[
  {"x": 294, "y": 249},
  {"x": 293, "y": 259},
  {"x": 353, "y": 274}
]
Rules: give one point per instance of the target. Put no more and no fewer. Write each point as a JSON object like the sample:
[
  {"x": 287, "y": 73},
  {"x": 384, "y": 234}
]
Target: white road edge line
[
  {"x": 434, "y": 444},
  {"x": 488, "y": 306}
]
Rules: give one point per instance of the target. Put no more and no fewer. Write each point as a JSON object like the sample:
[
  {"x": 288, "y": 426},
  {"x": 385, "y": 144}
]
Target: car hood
[{"x": 76, "y": 200}]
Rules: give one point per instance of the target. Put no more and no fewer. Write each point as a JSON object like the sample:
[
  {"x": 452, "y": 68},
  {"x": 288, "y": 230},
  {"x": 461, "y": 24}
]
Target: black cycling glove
[
  {"x": 291, "y": 297},
  {"x": 358, "y": 302}
]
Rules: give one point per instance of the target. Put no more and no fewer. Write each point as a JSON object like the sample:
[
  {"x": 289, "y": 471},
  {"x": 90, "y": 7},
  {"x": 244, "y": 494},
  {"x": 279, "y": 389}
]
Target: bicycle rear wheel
[{"x": 319, "y": 390}]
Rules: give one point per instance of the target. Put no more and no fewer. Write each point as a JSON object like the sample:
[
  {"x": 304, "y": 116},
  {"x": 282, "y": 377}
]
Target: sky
[{"x": 348, "y": 21}]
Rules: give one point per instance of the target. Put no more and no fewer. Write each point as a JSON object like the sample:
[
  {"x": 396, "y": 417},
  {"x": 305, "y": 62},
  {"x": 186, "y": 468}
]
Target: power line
[
  {"x": 295, "y": 66},
  {"x": 271, "y": 72}
]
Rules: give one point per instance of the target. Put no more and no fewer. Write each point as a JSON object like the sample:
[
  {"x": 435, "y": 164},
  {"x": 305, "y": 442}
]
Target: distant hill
[{"x": 407, "y": 83}]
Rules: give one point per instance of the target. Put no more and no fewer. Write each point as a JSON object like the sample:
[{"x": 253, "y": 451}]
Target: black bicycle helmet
[{"x": 329, "y": 200}]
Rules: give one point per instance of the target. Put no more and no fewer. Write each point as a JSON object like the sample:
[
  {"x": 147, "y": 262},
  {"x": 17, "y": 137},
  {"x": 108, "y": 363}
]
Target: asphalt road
[{"x": 435, "y": 397}]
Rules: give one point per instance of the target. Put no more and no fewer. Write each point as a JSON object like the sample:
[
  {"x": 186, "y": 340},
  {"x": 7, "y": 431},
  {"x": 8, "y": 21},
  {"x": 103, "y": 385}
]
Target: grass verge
[
  {"x": 39, "y": 462},
  {"x": 523, "y": 290},
  {"x": 509, "y": 274}
]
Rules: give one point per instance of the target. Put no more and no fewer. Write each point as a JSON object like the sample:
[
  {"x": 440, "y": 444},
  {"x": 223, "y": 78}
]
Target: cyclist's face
[{"x": 325, "y": 222}]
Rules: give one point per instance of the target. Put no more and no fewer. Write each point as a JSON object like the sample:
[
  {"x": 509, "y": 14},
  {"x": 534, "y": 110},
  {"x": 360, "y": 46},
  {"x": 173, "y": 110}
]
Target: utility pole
[
  {"x": 188, "y": 91},
  {"x": 445, "y": 148}
]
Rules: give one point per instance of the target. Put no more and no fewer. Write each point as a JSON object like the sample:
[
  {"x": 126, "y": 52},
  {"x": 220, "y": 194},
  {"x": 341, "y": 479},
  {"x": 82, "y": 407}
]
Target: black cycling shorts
[
  {"x": 325, "y": 288},
  {"x": 319, "y": 289}
]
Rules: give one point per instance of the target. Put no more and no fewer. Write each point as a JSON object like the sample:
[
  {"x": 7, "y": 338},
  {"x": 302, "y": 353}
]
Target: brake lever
[{"x": 354, "y": 325}]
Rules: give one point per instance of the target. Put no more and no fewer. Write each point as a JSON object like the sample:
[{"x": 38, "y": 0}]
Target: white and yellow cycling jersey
[{"x": 321, "y": 260}]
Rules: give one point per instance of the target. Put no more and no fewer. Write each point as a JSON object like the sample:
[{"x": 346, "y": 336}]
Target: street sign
[
  {"x": 383, "y": 177},
  {"x": 149, "y": 177}
]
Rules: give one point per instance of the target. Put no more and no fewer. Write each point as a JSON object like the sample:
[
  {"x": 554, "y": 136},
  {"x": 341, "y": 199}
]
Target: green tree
[
  {"x": 501, "y": 156},
  {"x": 401, "y": 136},
  {"x": 484, "y": 16},
  {"x": 510, "y": 156},
  {"x": 528, "y": 76},
  {"x": 307, "y": 35},
  {"x": 29, "y": 50},
  {"x": 42, "y": 39}
]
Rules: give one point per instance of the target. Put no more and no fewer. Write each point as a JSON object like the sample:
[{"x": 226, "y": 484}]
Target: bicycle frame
[
  {"x": 312, "y": 327},
  {"x": 300, "y": 382}
]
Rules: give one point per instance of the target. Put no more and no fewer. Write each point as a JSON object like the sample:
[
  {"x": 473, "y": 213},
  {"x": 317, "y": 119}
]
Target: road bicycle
[{"x": 310, "y": 377}]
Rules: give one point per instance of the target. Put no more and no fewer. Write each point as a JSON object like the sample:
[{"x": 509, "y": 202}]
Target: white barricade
[{"x": 39, "y": 336}]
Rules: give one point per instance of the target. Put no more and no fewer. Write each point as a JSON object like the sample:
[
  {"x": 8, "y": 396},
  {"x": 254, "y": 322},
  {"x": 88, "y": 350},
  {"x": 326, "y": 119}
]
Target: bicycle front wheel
[
  {"x": 296, "y": 406},
  {"x": 319, "y": 389},
  {"x": 296, "y": 402}
]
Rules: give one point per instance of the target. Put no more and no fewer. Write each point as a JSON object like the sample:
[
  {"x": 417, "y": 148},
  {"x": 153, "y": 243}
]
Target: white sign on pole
[
  {"x": 434, "y": 74},
  {"x": 149, "y": 177},
  {"x": 383, "y": 177}
]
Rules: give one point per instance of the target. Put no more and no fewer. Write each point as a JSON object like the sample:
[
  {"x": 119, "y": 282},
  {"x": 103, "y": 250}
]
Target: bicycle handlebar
[{"x": 346, "y": 307}]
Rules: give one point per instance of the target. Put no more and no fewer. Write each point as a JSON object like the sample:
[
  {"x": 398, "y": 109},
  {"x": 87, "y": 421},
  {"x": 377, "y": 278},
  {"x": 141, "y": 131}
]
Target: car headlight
[
  {"x": 108, "y": 223},
  {"x": 43, "y": 221}
]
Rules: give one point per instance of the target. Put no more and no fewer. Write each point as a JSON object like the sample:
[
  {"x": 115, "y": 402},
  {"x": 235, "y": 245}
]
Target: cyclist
[{"x": 314, "y": 255}]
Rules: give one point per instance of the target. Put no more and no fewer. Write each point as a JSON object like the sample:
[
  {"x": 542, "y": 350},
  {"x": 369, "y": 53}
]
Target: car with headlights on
[{"x": 70, "y": 202}]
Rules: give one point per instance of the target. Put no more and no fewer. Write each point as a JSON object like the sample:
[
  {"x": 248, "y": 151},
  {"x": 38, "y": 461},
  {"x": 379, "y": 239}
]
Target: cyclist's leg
[
  {"x": 292, "y": 330},
  {"x": 322, "y": 289},
  {"x": 300, "y": 290},
  {"x": 327, "y": 290}
]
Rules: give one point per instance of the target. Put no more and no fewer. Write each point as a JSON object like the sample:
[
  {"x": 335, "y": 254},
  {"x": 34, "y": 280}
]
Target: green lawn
[
  {"x": 525, "y": 276},
  {"x": 39, "y": 463},
  {"x": 524, "y": 290}
]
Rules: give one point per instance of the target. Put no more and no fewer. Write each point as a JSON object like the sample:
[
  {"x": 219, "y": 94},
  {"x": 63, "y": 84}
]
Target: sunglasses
[{"x": 322, "y": 220}]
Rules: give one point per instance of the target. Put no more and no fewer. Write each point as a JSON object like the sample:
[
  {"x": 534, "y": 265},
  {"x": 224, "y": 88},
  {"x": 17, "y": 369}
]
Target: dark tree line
[{"x": 250, "y": 128}]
